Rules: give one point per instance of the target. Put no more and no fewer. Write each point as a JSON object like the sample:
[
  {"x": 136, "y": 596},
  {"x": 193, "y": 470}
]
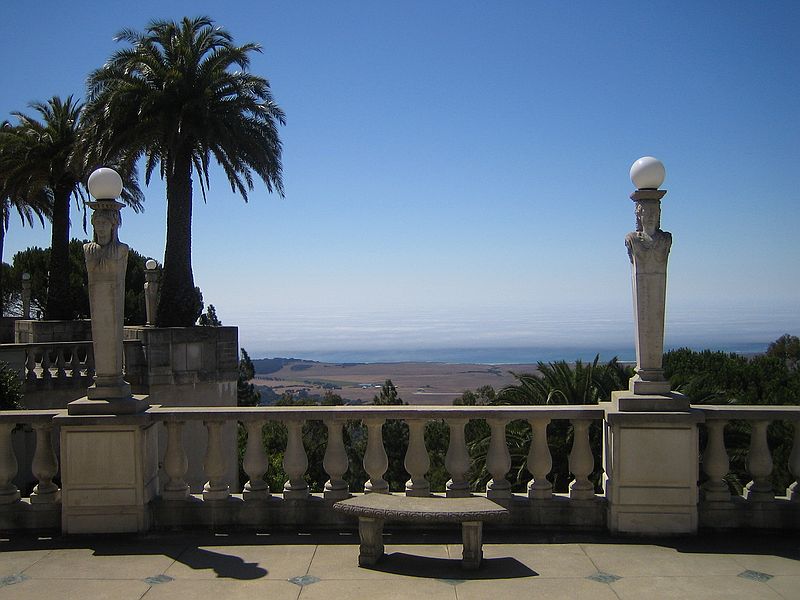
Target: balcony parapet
[{"x": 296, "y": 505}]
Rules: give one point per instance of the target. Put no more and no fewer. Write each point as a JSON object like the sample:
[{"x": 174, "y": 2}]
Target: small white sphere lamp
[
  {"x": 150, "y": 265},
  {"x": 105, "y": 184},
  {"x": 647, "y": 173}
]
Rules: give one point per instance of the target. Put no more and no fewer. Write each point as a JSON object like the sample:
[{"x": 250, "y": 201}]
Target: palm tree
[
  {"x": 172, "y": 98},
  {"x": 42, "y": 167},
  {"x": 40, "y": 162},
  {"x": 27, "y": 207},
  {"x": 562, "y": 383}
]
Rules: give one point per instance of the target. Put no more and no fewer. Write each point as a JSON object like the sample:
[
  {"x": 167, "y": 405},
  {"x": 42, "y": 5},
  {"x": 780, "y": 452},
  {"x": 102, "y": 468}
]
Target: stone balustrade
[
  {"x": 757, "y": 506},
  {"x": 296, "y": 505},
  {"x": 51, "y": 365}
]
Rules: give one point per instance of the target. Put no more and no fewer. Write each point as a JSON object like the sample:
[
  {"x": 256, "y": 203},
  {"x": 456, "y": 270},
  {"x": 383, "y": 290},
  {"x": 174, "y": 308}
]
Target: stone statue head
[
  {"x": 106, "y": 224},
  {"x": 648, "y": 216}
]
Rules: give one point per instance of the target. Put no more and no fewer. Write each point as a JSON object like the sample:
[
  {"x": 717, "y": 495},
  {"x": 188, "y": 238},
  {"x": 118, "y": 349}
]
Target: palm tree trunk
[
  {"x": 179, "y": 304},
  {"x": 59, "y": 305}
]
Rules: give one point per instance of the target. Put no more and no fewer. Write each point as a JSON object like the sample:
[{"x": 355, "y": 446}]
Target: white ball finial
[
  {"x": 105, "y": 184},
  {"x": 150, "y": 264},
  {"x": 648, "y": 173}
]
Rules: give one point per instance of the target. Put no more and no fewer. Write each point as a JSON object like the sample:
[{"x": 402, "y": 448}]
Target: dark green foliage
[
  {"x": 246, "y": 392},
  {"x": 35, "y": 261},
  {"x": 482, "y": 396},
  {"x": 210, "y": 319},
  {"x": 710, "y": 377},
  {"x": 563, "y": 383},
  {"x": 787, "y": 348},
  {"x": 10, "y": 389}
]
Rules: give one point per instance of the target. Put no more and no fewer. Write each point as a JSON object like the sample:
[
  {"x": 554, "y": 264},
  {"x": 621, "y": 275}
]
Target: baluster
[
  {"x": 581, "y": 461},
  {"x": 375, "y": 460},
  {"x": 759, "y": 465},
  {"x": 335, "y": 462},
  {"x": 793, "y": 491},
  {"x": 716, "y": 464},
  {"x": 295, "y": 463},
  {"x": 74, "y": 365},
  {"x": 90, "y": 361},
  {"x": 30, "y": 364},
  {"x": 61, "y": 372},
  {"x": 175, "y": 463},
  {"x": 498, "y": 461},
  {"x": 46, "y": 374},
  {"x": 417, "y": 461},
  {"x": 255, "y": 462},
  {"x": 8, "y": 465},
  {"x": 540, "y": 462},
  {"x": 456, "y": 461},
  {"x": 215, "y": 488},
  {"x": 44, "y": 466}
]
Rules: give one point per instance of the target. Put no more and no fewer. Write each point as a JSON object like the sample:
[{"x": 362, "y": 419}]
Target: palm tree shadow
[{"x": 400, "y": 563}]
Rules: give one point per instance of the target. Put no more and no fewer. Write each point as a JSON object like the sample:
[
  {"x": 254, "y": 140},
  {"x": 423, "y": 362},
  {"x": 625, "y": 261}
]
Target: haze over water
[{"x": 497, "y": 336}]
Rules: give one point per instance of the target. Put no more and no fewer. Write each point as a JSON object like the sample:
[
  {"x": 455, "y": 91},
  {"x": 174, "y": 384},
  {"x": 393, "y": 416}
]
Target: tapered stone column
[
  {"x": 151, "y": 291},
  {"x": 26, "y": 296},
  {"x": 109, "y": 445},
  {"x": 651, "y": 441}
]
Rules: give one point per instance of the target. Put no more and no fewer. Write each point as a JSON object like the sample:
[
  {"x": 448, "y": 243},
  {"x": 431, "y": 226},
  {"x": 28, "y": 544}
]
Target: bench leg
[
  {"x": 472, "y": 536},
  {"x": 370, "y": 532}
]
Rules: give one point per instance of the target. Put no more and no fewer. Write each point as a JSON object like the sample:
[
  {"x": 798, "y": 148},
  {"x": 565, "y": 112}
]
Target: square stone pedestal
[
  {"x": 109, "y": 468},
  {"x": 651, "y": 470}
]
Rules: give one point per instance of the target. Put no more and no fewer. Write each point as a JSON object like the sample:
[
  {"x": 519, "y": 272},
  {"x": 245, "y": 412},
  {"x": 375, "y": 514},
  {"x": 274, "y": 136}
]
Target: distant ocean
[
  {"x": 488, "y": 356},
  {"x": 499, "y": 336}
]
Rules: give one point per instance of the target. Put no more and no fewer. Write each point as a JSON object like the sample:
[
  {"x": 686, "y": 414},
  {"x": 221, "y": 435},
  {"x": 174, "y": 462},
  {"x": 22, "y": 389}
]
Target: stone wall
[{"x": 37, "y": 332}]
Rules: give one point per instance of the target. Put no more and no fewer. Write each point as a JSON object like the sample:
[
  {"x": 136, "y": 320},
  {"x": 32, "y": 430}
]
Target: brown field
[{"x": 416, "y": 383}]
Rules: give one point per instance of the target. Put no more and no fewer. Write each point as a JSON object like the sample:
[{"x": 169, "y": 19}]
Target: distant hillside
[{"x": 265, "y": 366}]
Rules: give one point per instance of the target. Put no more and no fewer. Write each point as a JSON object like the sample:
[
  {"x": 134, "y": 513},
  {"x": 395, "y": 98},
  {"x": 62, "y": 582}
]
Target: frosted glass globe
[
  {"x": 647, "y": 173},
  {"x": 105, "y": 184},
  {"x": 150, "y": 265}
]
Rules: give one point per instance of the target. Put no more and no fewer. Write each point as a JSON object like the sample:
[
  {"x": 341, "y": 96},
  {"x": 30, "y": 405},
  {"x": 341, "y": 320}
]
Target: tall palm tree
[
  {"x": 43, "y": 165},
  {"x": 40, "y": 161},
  {"x": 173, "y": 98},
  {"x": 26, "y": 207}
]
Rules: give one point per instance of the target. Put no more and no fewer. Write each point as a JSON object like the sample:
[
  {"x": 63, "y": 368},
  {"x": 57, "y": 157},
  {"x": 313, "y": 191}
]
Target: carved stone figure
[
  {"x": 648, "y": 250},
  {"x": 648, "y": 246},
  {"x": 106, "y": 262}
]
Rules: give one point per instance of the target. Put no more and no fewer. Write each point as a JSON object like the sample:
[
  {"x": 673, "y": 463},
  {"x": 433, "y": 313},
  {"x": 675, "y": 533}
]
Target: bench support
[
  {"x": 370, "y": 532},
  {"x": 472, "y": 537}
]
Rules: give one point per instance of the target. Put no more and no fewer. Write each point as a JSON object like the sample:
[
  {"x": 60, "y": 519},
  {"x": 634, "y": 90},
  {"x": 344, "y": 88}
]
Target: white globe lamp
[
  {"x": 647, "y": 173},
  {"x": 105, "y": 184}
]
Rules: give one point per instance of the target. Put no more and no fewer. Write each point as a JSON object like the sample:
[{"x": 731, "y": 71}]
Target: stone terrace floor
[{"x": 323, "y": 565}]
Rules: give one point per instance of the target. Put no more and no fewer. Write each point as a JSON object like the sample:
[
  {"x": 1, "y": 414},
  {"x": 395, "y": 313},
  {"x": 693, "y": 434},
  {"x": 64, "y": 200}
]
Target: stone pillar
[
  {"x": 651, "y": 445},
  {"x": 151, "y": 291},
  {"x": 26, "y": 296},
  {"x": 109, "y": 445}
]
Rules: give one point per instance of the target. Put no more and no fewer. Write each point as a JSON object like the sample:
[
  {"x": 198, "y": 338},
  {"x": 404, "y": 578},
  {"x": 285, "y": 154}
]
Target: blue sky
[{"x": 465, "y": 165}]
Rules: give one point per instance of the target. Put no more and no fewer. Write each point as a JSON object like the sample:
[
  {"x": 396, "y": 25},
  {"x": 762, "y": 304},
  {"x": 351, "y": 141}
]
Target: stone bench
[{"x": 374, "y": 509}]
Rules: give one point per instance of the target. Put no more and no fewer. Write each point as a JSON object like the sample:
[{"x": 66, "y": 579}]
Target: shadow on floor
[{"x": 400, "y": 563}]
